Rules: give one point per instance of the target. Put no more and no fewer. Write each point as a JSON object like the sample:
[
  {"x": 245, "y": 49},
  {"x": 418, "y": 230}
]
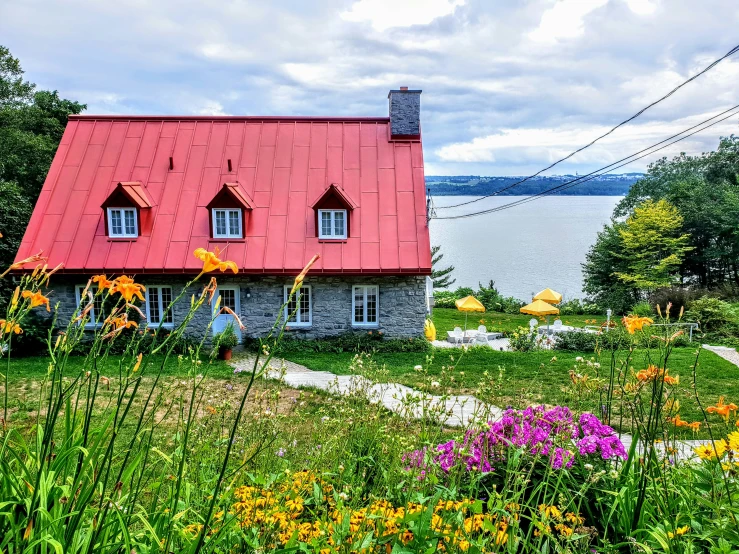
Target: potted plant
[{"x": 225, "y": 341}]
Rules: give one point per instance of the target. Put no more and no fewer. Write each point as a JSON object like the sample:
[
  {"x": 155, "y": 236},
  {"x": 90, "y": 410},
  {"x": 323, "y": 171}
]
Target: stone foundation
[{"x": 402, "y": 303}]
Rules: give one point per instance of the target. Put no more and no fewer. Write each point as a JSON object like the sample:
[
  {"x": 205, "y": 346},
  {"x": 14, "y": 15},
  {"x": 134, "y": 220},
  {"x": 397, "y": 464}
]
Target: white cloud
[
  {"x": 642, "y": 7},
  {"x": 209, "y": 107},
  {"x": 564, "y": 20},
  {"x": 384, "y": 14}
]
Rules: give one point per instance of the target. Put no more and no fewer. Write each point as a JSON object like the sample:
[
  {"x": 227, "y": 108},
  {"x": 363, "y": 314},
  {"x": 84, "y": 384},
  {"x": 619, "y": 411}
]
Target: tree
[
  {"x": 652, "y": 246},
  {"x": 602, "y": 261},
  {"x": 441, "y": 276},
  {"x": 705, "y": 191},
  {"x": 31, "y": 125}
]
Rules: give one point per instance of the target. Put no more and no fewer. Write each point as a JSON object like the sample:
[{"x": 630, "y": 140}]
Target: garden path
[
  {"x": 727, "y": 353},
  {"x": 452, "y": 410}
]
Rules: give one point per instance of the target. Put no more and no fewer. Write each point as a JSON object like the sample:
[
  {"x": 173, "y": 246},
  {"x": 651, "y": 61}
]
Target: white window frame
[
  {"x": 123, "y": 234},
  {"x": 305, "y": 289},
  {"x": 228, "y": 234},
  {"x": 92, "y": 322},
  {"x": 364, "y": 322},
  {"x": 159, "y": 288},
  {"x": 333, "y": 234}
]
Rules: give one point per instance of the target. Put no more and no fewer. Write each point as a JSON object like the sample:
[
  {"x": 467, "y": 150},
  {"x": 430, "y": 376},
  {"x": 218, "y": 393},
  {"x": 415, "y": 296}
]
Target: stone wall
[{"x": 402, "y": 304}]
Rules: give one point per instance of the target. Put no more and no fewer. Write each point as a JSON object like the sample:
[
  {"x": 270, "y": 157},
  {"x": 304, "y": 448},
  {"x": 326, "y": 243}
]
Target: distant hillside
[{"x": 475, "y": 185}]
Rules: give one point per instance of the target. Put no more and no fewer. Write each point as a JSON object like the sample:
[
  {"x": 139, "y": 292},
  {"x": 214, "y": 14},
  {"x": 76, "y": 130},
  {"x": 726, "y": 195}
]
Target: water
[{"x": 523, "y": 249}]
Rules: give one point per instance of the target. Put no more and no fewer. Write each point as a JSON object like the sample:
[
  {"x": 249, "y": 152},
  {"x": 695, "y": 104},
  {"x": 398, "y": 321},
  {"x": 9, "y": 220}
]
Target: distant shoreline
[{"x": 475, "y": 185}]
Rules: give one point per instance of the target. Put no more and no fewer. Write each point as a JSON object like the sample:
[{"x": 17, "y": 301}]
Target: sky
[{"x": 509, "y": 86}]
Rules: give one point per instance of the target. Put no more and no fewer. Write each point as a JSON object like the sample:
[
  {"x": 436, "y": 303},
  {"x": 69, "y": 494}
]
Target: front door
[{"x": 229, "y": 296}]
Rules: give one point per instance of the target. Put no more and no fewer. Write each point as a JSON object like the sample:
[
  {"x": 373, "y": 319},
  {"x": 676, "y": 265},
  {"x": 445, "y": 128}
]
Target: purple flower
[
  {"x": 551, "y": 434},
  {"x": 281, "y": 452}
]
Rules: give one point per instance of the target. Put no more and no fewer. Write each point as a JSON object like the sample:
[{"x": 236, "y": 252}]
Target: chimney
[{"x": 405, "y": 114}]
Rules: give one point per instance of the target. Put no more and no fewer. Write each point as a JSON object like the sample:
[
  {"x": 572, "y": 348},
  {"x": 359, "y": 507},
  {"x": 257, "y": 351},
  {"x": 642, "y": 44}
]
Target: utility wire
[
  {"x": 624, "y": 122},
  {"x": 606, "y": 169}
]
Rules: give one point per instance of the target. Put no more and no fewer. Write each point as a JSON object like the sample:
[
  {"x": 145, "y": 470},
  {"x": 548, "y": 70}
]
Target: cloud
[
  {"x": 565, "y": 20},
  {"x": 508, "y": 86},
  {"x": 384, "y": 14}
]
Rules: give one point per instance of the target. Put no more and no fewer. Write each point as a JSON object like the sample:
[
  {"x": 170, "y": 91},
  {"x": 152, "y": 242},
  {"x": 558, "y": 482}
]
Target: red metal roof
[{"x": 282, "y": 165}]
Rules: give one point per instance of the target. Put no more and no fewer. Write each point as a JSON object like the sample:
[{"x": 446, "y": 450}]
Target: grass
[
  {"x": 446, "y": 319},
  {"x": 521, "y": 379}
]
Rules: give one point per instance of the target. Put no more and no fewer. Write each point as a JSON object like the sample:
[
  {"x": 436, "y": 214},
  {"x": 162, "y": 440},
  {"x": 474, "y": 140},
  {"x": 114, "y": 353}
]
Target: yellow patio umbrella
[
  {"x": 540, "y": 308},
  {"x": 469, "y": 304},
  {"x": 549, "y": 296}
]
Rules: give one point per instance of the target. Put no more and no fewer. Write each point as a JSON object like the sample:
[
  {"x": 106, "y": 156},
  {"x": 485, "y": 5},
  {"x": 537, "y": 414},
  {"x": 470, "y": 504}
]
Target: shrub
[
  {"x": 578, "y": 307},
  {"x": 444, "y": 299},
  {"x": 347, "y": 342},
  {"x": 715, "y": 316},
  {"x": 643, "y": 309},
  {"x": 679, "y": 297},
  {"x": 227, "y": 338},
  {"x": 576, "y": 341},
  {"x": 522, "y": 340}
]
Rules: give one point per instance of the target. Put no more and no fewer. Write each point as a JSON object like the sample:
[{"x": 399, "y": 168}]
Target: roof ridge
[{"x": 113, "y": 117}]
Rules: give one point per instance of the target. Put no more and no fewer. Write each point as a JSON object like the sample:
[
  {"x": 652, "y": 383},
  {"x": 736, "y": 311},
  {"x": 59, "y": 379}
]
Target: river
[{"x": 525, "y": 248}]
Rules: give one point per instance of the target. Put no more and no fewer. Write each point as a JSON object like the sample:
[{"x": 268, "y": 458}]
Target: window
[
  {"x": 365, "y": 300},
  {"x": 122, "y": 223},
  {"x": 303, "y": 317},
  {"x": 158, "y": 299},
  {"x": 96, "y": 315},
  {"x": 227, "y": 223},
  {"x": 332, "y": 224}
]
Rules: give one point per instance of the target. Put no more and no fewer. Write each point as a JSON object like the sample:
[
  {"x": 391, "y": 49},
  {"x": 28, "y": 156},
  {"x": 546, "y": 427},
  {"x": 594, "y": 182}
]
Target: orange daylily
[
  {"x": 228, "y": 310},
  {"x": 648, "y": 374},
  {"x": 121, "y": 322},
  {"x": 722, "y": 409},
  {"x": 19, "y": 265},
  {"x": 695, "y": 426},
  {"x": 301, "y": 276},
  {"x": 7, "y": 327},
  {"x": 102, "y": 281},
  {"x": 679, "y": 422},
  {"x": 636, "y": 323},
  {"x": 37, "y": 299},
  {"x": 211, "y": 261},
  {"x": 210, "y": 289},
  {"x": 128, "y": 289}
]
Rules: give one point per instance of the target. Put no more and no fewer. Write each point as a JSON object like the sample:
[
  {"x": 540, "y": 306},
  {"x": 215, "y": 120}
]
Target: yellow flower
[
  {"x": 635, "y": 323},
  {"x": 707, "y": 452},
  {"x": 679, "y": 531},
  {"x": 211, "y": 261},
  {"x": 37, "y": 299},
  {"x": 734, "y": 441},
  {"x": 127, "y": 288},
  {"x": 299, "y": 279},
  {"x": 7, "y": 327},
  {"x": 550, "y": 511}
]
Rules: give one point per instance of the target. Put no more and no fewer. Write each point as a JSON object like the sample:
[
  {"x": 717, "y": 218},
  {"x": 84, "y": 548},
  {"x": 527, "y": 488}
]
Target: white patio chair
[
  {"x": 482, "y": 336},
  {"x": 458, "y": 335},
  {"x": 557, "y": 325}
]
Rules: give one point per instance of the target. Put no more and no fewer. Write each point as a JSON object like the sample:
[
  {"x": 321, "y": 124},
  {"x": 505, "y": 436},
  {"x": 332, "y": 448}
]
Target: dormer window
[
  {"x": 333, "y": 212},
  {"x": 123, "y": 210},
  {"x": 228, "y": 211},
  {"x": 122, "y": 223},
  {"x": 227, "y": 223},
  {"x": 333, "y": 224}
]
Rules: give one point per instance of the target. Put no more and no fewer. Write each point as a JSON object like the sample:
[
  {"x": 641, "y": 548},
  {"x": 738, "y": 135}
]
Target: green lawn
[
  {"x": 521, "y": 379},
  {"x": 36, "y": 367},
  {"x": 446, "y": 319}
]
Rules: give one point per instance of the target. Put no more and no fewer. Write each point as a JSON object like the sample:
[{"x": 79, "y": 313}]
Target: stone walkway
[
  {"x": 725, "y": 352},
  {"x": 452, "y": 410}
]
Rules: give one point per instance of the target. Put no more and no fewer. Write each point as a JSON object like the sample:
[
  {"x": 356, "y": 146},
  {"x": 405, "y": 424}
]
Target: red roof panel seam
[
  {"x": 71, "y": 188},
  {"x": 138, "y": 147},
  {"x": 202, "y": 175}
]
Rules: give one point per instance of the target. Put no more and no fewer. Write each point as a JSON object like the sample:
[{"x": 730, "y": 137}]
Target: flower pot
[{"x": 225, "y": 353}]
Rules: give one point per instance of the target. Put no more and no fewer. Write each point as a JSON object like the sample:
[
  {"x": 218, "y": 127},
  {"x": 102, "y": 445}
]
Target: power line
[
  {"x": 602, "y": 171},
  {"x": 624, "y": 122}
]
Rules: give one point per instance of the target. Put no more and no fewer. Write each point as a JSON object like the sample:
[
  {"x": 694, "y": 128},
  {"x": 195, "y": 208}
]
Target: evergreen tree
[{"x": 441, "y": 276}]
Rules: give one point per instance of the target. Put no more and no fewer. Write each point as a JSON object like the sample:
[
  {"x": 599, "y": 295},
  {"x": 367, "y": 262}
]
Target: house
[{"x": 136, "y": 195}]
